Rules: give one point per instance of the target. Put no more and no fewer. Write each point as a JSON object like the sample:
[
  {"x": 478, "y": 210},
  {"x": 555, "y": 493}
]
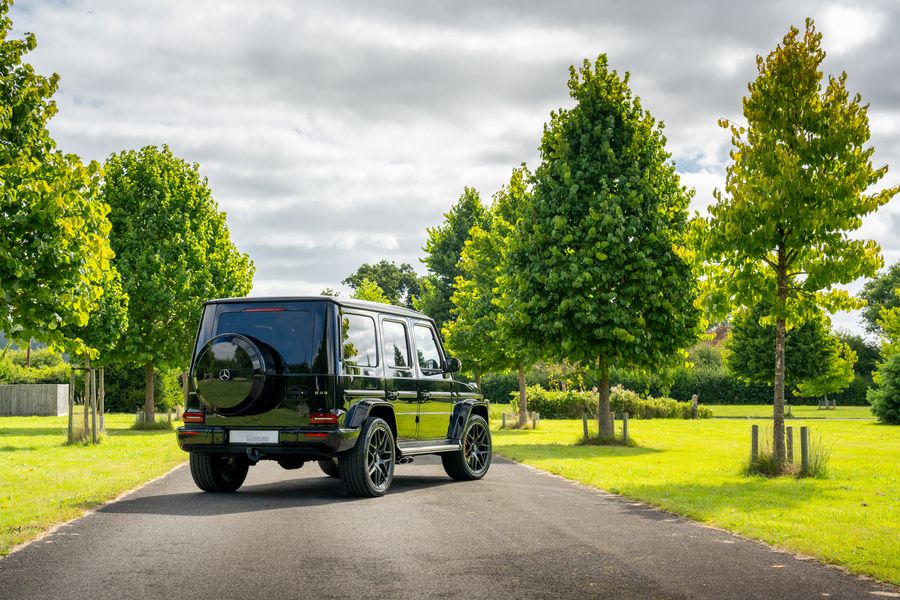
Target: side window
[
  {"x": 396, "y": 348},
  {"x": 358, "y": 343},
  {"x": 427, "y": 349}
]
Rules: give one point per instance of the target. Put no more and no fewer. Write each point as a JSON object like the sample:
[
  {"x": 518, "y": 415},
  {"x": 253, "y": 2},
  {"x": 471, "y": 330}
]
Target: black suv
[{"x": 355, "y": 386}]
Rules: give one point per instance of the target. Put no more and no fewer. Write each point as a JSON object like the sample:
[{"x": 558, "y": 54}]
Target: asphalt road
[{"x": 518, "y": 533}]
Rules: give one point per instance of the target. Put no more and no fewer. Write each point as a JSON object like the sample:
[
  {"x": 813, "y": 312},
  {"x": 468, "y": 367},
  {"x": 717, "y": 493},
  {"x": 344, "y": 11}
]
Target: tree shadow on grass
[
  {"x": 574, "y": 450},
  {"x": 31, "y": 431},
  {"x": 16, "y": 448}
]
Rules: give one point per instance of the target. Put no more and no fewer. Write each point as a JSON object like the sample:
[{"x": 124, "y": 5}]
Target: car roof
[{"x": 346, "y": 302}]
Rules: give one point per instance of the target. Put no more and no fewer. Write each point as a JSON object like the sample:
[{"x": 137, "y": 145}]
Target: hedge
[{"x": 554, "y": 404}]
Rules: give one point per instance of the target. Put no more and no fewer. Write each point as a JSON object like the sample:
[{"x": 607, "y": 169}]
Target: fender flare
[
  {"x": 460, "y": 418},
  {"x": 360, "y": 411}
]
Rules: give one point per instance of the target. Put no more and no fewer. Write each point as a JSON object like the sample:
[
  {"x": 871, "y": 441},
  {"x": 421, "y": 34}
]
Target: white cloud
[{"x": 846, "y": 28}]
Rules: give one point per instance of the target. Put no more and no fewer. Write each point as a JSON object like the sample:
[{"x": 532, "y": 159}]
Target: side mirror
[{"x": 453, "y": 365}]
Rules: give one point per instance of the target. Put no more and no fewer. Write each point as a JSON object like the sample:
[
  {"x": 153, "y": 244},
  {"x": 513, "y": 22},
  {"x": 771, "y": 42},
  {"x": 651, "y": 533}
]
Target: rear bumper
[{"x": 293, "y": 441}]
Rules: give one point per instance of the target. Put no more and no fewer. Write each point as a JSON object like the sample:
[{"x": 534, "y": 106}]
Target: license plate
[{"x": 252, "y": 437}]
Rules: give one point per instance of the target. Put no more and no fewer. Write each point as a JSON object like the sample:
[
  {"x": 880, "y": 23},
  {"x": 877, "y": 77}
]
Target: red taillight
[
  {"x": 323, "y": 419},
  {"x": 193, "y": 415},
  {"x": 315, "y": 434},
  {"x": 265, "y": 309},
  {"x": 189, "y": 432}
]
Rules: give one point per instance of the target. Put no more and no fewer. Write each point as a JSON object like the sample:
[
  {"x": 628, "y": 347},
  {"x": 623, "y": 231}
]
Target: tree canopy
[
  {"x": 878, "y": 293},
  {"x": 366, "y": 289},
  {"x": 399, "y": 284},
  {"x": 173, "y": 251},
  {"x": 477, "y": 332},
  {"x": 797, "y": 185},
  {"x": 443, "y": 252},
  {"x": 596, "y": 271},
  {"x": 54, "y": 251}
]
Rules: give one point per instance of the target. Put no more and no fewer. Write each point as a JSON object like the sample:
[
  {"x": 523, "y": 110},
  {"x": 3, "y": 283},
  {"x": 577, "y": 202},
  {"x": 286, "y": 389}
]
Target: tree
[
  {"x": 596, "y": 269},
  {"x": 400, "y": 284},
  {"x": 367, "y": 289},
  {"x": 878, "y": 293},
  {"x": 867, "y": 353},
  {"x": 54, "y": 250},
  {"x": 885, "y": 396},
  {"x": 794, "y": 189},
  {"x": 837, "y": 372},
  {"x": 476, "y": 332},
  {"x": 750, "y": 348},
  {"x": 174, "y": 252},
  {"x": 443, "y": 252}
]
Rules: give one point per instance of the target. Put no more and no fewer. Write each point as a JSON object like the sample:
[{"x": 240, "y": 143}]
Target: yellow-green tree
[
  {"x": 796, "y": 186},
  {"x": 54, "y": 250},
  {"x": 477, "y": 331},
  {"x": 173, "y": 251}
]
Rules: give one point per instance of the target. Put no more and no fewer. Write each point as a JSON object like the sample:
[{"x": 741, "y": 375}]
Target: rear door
[
  {"x": 435, "y": 387},
  {"x": 400, "y": 385}
]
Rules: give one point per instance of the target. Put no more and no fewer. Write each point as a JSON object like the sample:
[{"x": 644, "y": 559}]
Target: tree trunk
[
  {"x": 149, "y": 415},
  {"x": 478, "y": 380},
  {"x": 780, "y": 327},
  {"x": 28, "y": 354},
  {"x": 523, "y": 398},
  {"x": 603, "y": 404}
]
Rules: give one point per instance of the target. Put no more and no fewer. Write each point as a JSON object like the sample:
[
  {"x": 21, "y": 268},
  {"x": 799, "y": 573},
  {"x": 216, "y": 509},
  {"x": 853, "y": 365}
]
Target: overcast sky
[{"x": 335, "y": 133}]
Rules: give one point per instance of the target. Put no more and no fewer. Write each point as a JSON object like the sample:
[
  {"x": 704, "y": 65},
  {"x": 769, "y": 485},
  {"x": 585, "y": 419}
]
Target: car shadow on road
[{"x": 296, "y": 493}]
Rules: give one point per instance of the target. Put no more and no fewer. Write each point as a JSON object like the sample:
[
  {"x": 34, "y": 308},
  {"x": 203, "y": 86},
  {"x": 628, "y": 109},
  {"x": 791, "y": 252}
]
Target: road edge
[{"x": 53, "y": 528}]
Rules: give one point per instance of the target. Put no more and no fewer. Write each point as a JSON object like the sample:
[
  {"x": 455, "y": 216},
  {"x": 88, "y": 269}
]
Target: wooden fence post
[
  {"x": 804, "y": 450},
  {"x": 754, "y": 442},
  {"x": 86, "y": 401},
  {"x": 71, "y": 404},
  {"x": 502, "y": 420},
  {"x": 625, "y": 426},
  {"x": 695, "y": 401},
  {"x": 789, "y": 433},
  {"x": 584, "y": 425},
  {"x": 102, "y": 399},
  {"x": 93, "y": 375},
  {"x": 612, "y": 424}
]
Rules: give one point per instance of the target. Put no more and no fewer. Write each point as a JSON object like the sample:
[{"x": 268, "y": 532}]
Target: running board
[{"x": 416, "y": 449}]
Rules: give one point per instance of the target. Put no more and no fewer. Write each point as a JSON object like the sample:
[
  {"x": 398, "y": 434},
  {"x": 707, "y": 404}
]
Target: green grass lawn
[
  {"x": 850, "y": 517},
  {"x": 764, "y": 411},
  {"x": 43, "y": 481}
]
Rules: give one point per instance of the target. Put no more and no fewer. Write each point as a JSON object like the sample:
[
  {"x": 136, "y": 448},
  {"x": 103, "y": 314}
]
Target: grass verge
[
  {"x": 764, "y": 411},
  {"x": 44, "y": 481},
  {"x": 850, "y": 517}
]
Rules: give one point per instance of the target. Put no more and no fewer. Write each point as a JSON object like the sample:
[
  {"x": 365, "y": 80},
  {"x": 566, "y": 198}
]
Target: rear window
[{"x": 287, "y": 331}]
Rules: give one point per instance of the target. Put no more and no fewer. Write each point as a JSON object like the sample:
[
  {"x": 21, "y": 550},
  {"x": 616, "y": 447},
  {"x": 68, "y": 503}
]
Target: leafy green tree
[
  {"x": 400, "y": 284},
  {"x": 867, "y": 353},
  {"x": 837, "y": 372},
  {"x": 885, "y": 396},
  {"x": 105, "y": 327},
  {"x": 477, "y": 332},
  {"x": 878, "y": 292},
  {"x": 174, "y": 252},
  {"x": 794, "y": 190},
  {"x": 54, "y": 250},
  {"x": 750, "y": 348},
  {"x": 596, "y": 269},
  {"x": 367, "y": 289},
  {"x": 443, "y": 252}
]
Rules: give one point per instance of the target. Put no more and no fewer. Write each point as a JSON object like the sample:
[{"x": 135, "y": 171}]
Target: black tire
[
  {"x": 367, "y": 469},
  {"x": 215, "y": 473},
  {"x": 473, "y": 460},
  {"x": 329, "y": 466}
]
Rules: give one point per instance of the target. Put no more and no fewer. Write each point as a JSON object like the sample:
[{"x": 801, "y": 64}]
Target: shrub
[
  {"x": 885, "y": 399},
  {"x": 554, "y": 404}
]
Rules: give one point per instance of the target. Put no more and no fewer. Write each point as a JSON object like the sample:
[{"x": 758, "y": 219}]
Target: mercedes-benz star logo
[{"x": 224, "y": 375}]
